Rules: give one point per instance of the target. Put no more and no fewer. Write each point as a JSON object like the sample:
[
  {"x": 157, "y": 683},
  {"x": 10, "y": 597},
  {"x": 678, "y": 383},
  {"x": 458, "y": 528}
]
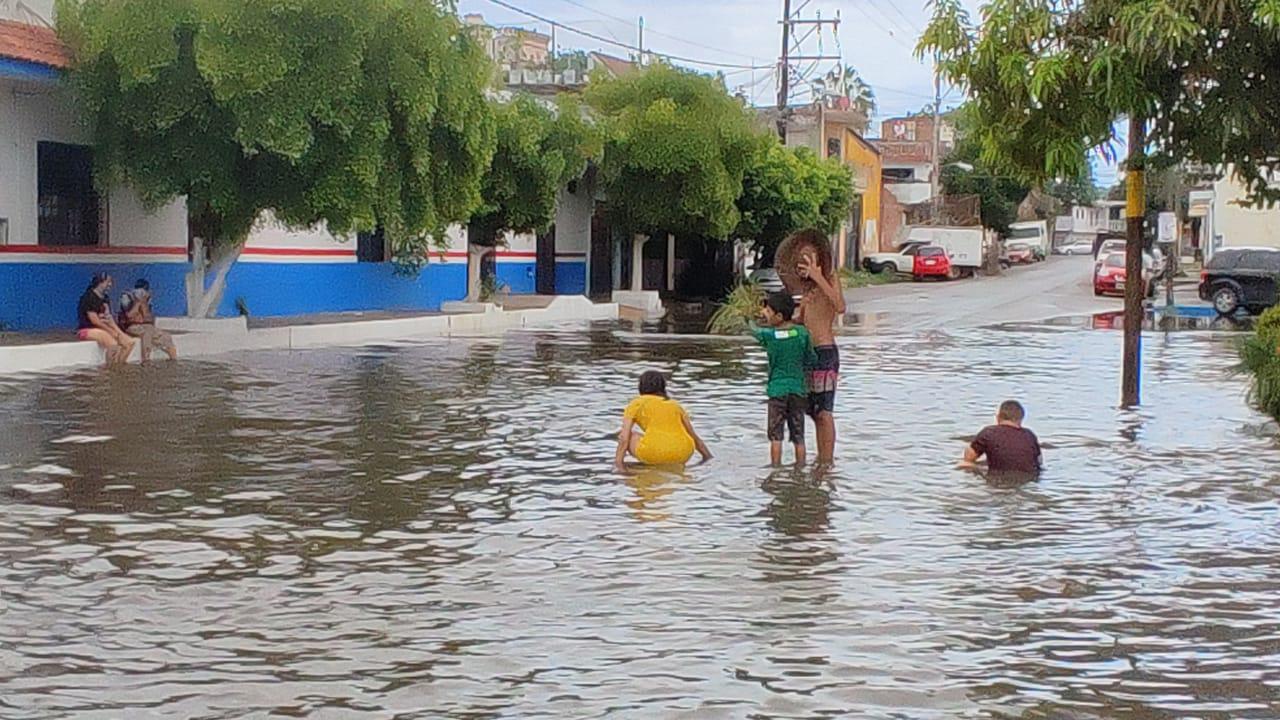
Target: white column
[
  {"x": 637, "y": 262},
  {"x": 475, "y": 255}
]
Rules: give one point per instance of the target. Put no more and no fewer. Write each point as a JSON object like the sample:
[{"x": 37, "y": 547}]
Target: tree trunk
[
  {"x": 205, "y": 294},
  {"x": 475, "y": 278}
]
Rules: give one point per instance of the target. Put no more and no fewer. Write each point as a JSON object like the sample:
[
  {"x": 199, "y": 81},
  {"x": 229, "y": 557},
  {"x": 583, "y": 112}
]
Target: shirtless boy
[{"x": 819, "y": 308}]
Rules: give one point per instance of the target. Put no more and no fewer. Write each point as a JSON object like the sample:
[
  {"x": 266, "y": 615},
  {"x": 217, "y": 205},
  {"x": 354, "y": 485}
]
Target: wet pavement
[{"x": 433, "y": 531}]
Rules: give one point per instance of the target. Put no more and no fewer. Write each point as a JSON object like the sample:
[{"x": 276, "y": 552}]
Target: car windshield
[
  {"x": 1024, "y": 232},
  {"x": 1019, "y": 246},
  {"x": 931, "y": 251},
  {"x": 1115, "y": 260}
]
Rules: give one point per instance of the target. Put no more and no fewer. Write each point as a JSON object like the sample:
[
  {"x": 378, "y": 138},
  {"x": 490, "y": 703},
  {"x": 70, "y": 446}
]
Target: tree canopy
[
  {"x": 539, "y": 151},
  {"x": 676, "y": 150},
  {"x": 1048, "y": 80},
  {"x": 346, "y": 112},
  {"x": 789, "y": 189}
]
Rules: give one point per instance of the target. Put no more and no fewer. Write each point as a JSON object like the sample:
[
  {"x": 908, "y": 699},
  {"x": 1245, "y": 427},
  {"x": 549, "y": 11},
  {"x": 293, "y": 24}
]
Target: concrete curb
[{"x": 202, "y": 338}]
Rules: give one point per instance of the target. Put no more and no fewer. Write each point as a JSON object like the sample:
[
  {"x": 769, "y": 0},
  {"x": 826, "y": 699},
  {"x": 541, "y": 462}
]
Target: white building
[
  {"x": 1220, "y": 220},
  {"x": 57, "y": 229}
]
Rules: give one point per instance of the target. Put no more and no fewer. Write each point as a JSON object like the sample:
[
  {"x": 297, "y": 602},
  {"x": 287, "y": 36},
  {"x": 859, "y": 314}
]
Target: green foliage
[
  {"x": 862, "y": 278},
  {"x": 1000, "y": 194},
  {"x": 538, "y": 152},
  {"x": 739, "y": 309},
  {"x": 1048, "y": 80},
  {"x": 1260, "y": 358},
  {"x": 491, "y": 288},
  {"x": 790, "y": 189},
  {"x": 676, "y": 150},
  {"x": 348, "y": 112}
]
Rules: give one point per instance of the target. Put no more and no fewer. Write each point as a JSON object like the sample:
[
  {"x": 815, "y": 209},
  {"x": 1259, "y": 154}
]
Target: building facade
[
  {"x": 1220, "y": 218},
  {"x": 57, "y": 229}
]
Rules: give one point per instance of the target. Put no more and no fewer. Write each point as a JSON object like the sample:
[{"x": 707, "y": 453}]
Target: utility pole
[
  {"x": 936, "y": 175},
  {"x": 794, "y": 53},
  {"x": 784, "y": 71},
  {"x": 640, "y": 44},
  {"x": 1135, "y": 285}
]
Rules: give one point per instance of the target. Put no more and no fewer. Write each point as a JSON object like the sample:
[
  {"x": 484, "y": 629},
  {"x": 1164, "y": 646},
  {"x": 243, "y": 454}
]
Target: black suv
[{"x": 1237, "y": 278}]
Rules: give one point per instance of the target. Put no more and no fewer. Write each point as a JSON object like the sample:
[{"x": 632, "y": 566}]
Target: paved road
[{"x": 1055, "y": 288}]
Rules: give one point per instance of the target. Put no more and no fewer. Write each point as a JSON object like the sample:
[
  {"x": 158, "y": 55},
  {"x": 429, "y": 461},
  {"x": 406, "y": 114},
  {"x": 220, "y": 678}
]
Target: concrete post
[
  {"x": 475, "y": 256},
  {"x": 637, "y": 262}
]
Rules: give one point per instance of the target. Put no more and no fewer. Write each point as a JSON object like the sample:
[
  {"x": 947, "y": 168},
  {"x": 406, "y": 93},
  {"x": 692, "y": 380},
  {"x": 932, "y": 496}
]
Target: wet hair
[
  {"x": 1012, "y": 411},
  {"x": 781, "y": 303},
  {"x": 142, "y": 284},
  {"x": 653, "y": 382}
]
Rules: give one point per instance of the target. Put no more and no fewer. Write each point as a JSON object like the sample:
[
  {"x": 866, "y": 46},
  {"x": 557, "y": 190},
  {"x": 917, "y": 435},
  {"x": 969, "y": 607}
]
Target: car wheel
[{"x": 1226, "y": 300}]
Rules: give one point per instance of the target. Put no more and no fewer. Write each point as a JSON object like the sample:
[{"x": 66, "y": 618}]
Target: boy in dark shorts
[
  {"x": 790, "y": 350},
  {"x": 1007, "y": 446}
]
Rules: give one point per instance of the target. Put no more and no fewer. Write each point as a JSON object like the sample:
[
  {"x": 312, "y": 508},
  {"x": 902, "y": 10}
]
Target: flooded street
[{"x": 433, "y": 531}]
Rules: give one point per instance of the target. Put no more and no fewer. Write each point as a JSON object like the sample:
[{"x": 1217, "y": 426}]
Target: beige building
[{"x": 1221, "y": 220}]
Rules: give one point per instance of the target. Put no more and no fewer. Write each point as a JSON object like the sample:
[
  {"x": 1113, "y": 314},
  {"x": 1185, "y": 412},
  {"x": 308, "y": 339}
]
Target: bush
[
  {"x": 739, "y": 309},
  {"x": 1260, "y": 357}
]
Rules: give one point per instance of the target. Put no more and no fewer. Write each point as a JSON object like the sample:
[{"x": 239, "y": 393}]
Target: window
[
  {"x": 71, "y": 213},
  {"x": 1224, "y": 259},
  {"x": 932, "y": 252},
  {"x": 1261, "y": 260}
]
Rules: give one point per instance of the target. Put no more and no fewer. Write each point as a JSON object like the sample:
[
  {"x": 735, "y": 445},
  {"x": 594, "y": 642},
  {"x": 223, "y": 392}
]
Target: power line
[
  {"x": 891, "y": 33},
  {"x": 908, "y": 23},
  {"x": 659, "y": 33},
  {"x": 627, "y": 46}
]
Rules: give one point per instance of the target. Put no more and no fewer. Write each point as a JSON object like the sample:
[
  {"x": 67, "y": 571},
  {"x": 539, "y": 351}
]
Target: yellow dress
[{"x": 665, "y": 441}]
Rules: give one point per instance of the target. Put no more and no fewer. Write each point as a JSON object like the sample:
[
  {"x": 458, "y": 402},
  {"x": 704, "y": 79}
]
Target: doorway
[
  {"x": 853, "y": 238},
  {"x": 545, "y": 258},
  {"x": 600, "y": 282}
]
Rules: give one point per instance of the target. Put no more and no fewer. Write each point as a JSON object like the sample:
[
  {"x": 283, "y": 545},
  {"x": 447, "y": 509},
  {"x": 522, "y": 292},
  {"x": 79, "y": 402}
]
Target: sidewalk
[{"x": 40, "y": 352}]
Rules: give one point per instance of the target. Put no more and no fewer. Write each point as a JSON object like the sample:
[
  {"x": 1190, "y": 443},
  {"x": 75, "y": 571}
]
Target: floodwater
[{"x": 432, "y": 531}]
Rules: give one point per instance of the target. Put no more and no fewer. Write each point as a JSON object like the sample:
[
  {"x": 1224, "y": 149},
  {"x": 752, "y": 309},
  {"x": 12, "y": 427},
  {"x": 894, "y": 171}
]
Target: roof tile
[{"x": 32, "y": 43}]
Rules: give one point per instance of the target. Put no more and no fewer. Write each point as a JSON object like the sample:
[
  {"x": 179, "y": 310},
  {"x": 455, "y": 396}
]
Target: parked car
[
  {"x": 767, "y": 279},
  {"x": 1109, "y": 275},
  {"x": 1237, "y": 278},
  {"x": 1077, "y": 248},
  {"x": 1114, "y": 245},
  {"x": 931, "y": 261},
  {"x": 1020, "y": 254},
  {"x": 902, "y": 261}
]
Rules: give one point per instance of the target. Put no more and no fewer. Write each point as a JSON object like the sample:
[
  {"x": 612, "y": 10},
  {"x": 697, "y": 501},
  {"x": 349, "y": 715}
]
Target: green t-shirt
[{"x": 790, "y": 350}]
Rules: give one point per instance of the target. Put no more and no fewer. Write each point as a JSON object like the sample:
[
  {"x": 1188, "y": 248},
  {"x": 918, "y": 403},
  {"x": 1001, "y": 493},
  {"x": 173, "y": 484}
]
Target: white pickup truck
[{"x": 900, "y": 261}]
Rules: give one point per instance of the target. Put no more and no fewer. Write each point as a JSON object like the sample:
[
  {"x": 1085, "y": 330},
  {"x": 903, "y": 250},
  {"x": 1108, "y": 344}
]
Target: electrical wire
[
  {"x": 627, "y": 46},
  {"x": 659, "y": 33}
]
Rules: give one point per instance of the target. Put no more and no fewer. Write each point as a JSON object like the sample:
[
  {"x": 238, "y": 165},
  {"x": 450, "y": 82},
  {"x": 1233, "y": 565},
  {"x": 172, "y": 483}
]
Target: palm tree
[{"x": 846, "y": 82}]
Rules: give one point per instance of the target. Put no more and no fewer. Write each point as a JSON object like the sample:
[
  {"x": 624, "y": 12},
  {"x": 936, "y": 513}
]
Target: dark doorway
[
  {"x": 853, "y": 239},
  {"x": 601, "y": 281},
  {"x": 654, "y": 272},
  {"x": 71, "y": 213},
  {"x": 545, "y": 283},
  {"x": 371, "y": 246}
]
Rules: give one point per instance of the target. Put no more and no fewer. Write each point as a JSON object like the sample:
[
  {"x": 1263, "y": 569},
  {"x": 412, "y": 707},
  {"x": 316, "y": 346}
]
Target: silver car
[{"x": 767, "y": 279}]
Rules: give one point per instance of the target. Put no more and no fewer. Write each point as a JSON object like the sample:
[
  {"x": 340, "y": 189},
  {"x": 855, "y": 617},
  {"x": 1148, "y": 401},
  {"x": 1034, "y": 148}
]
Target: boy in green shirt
[{"x": 790, "y": 351}]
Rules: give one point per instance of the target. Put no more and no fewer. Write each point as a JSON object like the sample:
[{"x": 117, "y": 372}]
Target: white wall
[
  {"x": 573, "y": 220},
  {"x": 1242, "y": 226},
  {"x": 41, "y": 9},
  {"x": 910, "y": 193},
  {"x": 34, "y": 112}
]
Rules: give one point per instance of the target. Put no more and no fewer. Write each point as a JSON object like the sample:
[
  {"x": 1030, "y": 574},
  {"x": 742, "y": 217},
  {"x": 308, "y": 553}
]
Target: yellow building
[{"x": 857, "y": 240}]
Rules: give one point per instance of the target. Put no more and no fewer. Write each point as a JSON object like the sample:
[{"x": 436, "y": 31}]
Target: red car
[
  {"x": 931, "y": 261},
  {"x": 1109, "y": 276}
]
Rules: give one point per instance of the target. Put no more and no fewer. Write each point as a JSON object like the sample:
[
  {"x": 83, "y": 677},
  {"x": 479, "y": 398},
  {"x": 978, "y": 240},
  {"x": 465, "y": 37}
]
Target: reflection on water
[{"x": 433, "y": 531}]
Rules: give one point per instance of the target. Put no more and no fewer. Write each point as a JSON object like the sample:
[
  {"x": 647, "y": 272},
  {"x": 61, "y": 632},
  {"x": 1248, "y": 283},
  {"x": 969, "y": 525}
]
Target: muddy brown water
[{"x": 432, "y": 531}]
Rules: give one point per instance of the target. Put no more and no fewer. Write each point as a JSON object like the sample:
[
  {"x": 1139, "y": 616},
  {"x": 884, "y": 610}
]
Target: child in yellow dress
[{"x": 656, "y": 429}]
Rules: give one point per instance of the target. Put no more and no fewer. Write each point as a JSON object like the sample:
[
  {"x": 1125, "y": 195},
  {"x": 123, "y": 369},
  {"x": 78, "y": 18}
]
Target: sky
[{"x": 877, "y": 37}]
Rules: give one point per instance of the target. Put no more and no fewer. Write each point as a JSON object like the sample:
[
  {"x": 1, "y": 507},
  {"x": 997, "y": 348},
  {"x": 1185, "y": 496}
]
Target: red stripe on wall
[
  {"x": 461, "y": 255},
  {"x": 92, "y": 250},
  {"x": 300, "y": 252}
]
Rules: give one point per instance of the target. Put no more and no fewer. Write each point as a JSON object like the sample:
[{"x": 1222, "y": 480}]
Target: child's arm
[
  {"x": 703, "y": 450},
  {"x": 624, "y": 445}
]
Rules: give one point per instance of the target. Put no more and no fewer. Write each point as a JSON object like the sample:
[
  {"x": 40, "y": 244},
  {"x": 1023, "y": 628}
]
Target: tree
[
  {"x": 676, "y": 149},
  {"x": 343, "y": 112},
  {"x": 789, "y": 189},
  {"x": 1049, "y": 79},
  {"x": 846, "y": 82},
  {"x": 965, "y": 173},
  {"x": 539, "y": 151}
]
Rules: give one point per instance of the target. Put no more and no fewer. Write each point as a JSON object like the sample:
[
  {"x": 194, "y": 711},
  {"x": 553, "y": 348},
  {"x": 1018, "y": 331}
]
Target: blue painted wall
[
  {"x": 43, "y": 296},
  {"x": 273, "y": 289},
  {"x": 521, "y": 278},
  {"x": 571, "y": 278}
]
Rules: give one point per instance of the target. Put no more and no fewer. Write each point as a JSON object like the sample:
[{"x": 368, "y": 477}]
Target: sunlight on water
[{"x": 433, "y": 531}]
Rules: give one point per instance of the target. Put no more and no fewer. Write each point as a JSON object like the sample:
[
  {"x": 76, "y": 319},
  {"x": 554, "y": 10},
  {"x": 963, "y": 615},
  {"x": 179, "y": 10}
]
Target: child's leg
[
  {"x": 636, "y": 436},
  {"x": 775, "y": 452},
  {"x": 777, "y": 418},
  {"x": 796, "y": 406}
]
